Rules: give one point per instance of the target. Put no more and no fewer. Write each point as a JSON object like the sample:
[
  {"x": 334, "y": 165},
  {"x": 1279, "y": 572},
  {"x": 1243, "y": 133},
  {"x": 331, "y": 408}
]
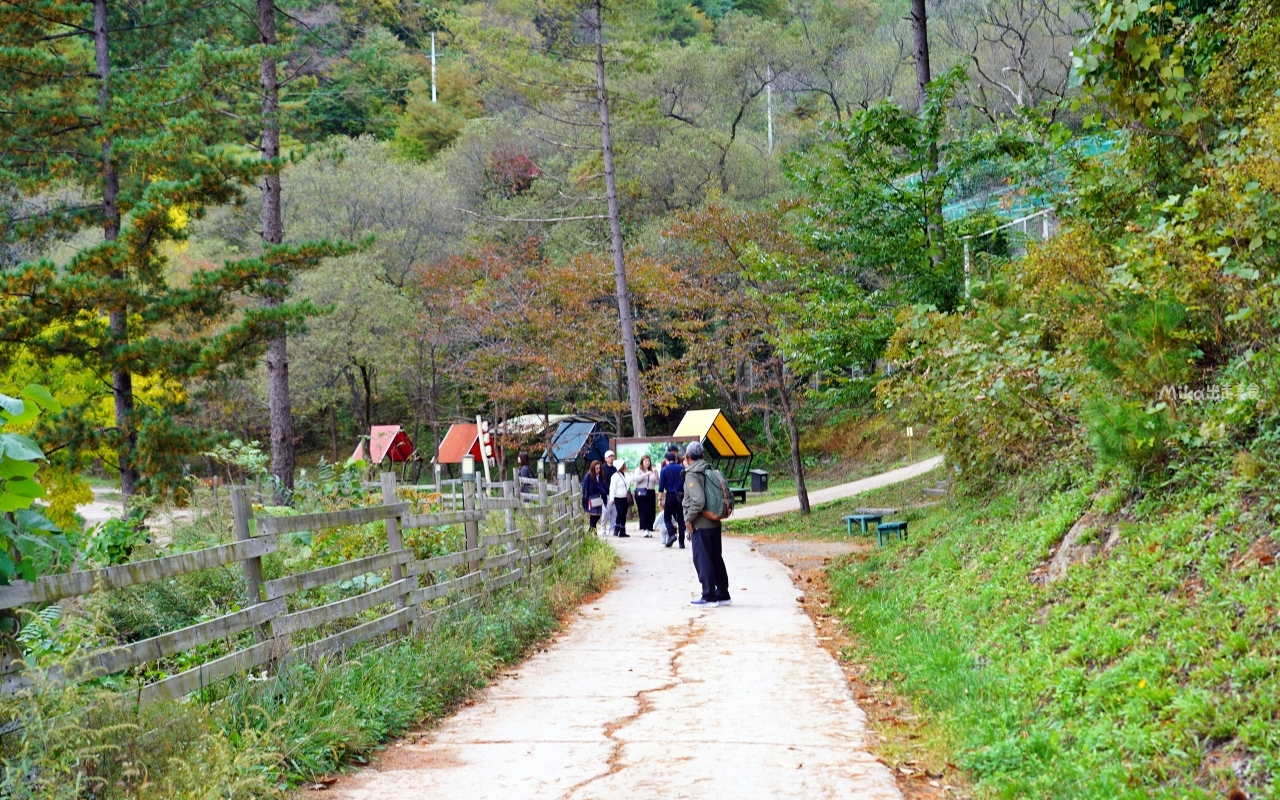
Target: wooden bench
[
  {"x": 890, "y": 528},
  {"x": 862, "y": 519},
  {"x": 739, "y": 494}
]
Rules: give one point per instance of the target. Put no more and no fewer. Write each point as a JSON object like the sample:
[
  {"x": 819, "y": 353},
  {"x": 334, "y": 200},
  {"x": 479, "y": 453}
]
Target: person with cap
[
  {"x": 620, "y": 499},
  {"x": 607, "y": 472},
  {"x": 704, "y": 533},
  {"x": 671, "y": 491}
]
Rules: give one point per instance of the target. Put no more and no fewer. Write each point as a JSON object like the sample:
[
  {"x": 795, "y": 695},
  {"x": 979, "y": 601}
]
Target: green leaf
[
  {"x": 19, "y": 447},
  {"x": 31, "y": 520},
  {"x": 13, "y": 502},
  {"x": 11, "y": 406},
  {"x": 23, "y": 487},
  {"x": 42, "y": 397},
  {"x": 29, "y": 413},
  {"x": 10, "y": 468}
]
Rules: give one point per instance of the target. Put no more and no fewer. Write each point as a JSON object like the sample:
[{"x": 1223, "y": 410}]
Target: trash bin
[{"x": 759, "y": 480}]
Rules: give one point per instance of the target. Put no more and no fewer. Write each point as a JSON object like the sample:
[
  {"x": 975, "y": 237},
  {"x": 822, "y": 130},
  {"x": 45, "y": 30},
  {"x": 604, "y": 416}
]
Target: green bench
[
  {"x": 739, "y": 494},
  {"x": 890, "y": 528},
  {"x": 862, "y": 519}
]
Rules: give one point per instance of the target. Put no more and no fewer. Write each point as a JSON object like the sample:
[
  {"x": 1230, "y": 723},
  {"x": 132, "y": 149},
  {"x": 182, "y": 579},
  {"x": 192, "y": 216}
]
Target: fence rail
[{"x": 487, "y": 563}]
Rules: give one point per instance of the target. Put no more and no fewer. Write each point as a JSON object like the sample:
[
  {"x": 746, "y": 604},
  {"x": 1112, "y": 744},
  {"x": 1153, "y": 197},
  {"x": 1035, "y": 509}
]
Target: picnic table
[{"x": 864, "y": 520}]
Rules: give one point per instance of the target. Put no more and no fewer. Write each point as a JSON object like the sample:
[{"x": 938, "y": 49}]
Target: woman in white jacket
[{"x": 620, "y": 498}]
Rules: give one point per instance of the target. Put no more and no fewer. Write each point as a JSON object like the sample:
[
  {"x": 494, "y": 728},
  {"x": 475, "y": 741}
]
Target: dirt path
[
  {"x": 839, "y": 492},
  {"x": 106, "y": 505},
  {"x": 646, "y": 696}
]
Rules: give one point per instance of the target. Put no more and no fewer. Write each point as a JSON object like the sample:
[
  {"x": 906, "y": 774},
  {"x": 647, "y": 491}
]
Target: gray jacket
[{"x": 695, "y": 496}]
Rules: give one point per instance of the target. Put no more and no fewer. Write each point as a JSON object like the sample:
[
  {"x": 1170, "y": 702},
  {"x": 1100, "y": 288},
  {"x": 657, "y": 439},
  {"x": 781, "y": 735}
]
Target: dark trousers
[
  {"x": 620, "y": 523},
  {"x": 673, "y": 517},
  {"x": 647, "y": 507},
  {"x": 592, "y": 521},
  {"x": 710, "y": 564}
]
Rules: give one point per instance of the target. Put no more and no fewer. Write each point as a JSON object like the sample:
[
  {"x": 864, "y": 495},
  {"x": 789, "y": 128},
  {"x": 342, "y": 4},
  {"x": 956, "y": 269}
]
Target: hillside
[{"x": 1146, "y": 670}]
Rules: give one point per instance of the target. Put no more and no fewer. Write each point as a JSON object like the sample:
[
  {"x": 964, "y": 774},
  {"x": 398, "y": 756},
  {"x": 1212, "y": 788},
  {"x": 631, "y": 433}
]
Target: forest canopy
[{"x": 403, "y": 214}]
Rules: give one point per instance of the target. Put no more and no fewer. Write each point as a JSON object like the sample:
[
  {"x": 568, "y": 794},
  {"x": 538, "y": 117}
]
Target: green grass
[
  {"x": 826, "y": 475},
  {"x": 1154, "y": 672},
  {"x": 258, "y": 738},
  {"x": 781, "y": 487}
]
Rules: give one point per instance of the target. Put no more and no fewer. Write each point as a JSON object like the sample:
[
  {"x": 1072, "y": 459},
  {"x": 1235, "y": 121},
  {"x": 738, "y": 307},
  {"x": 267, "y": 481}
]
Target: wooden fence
[{"x": 553, "y": 524}]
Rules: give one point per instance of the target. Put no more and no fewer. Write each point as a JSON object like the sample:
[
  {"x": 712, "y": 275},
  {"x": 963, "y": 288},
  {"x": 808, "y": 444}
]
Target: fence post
[
  {"x": 543, "y": 519},
  {"x": 394, "y": 540},
  {"x": 471, "y": 527},
  {"x": 510, "y": 514},
  {"x": 242, "y": 511},
  {"x": 573, "y": 494}
]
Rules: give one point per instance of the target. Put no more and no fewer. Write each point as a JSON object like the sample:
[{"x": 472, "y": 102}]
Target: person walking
[
  {"x": 607, "y": 473},
  {"x": 671, "y": 487},
  {"x": 595, "y": 494},
  {"x": 645, "y": 486},
  {"x": 704, "y": 532},
  {"x": 620, "y": 499},
  {"x": 525, "y": 473}
]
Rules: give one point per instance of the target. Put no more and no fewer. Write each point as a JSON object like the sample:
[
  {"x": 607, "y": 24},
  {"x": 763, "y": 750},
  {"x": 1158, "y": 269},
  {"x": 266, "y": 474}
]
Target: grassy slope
[
  {"x": 252, "y": 738},
  {"x": 1149, "y": 673}
]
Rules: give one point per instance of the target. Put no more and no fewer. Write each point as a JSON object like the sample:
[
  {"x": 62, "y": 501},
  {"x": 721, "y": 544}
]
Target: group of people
[{"x": 678, "y": 488}]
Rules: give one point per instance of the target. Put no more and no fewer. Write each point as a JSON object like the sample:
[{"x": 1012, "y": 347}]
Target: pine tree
[{"x": 125, "y": 108}]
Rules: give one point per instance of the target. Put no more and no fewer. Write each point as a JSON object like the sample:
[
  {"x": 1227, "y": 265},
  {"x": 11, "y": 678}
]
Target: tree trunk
[
  {"x": 933, "y": 227},
  {"x": 435, "y": 405},
  {"x": 793, "y": 432},
  {"x": 920, "y": 26},
  {"x": 333, "y": 430},
  {"x": 117, "y": 318},
  {"x": 356, "y": 405},
  {"x": 280, "y": 408},
  {"x": 617, "y": 415},
  {"x": 366, "y": 376},
  {"x": 615, "y": 233}
]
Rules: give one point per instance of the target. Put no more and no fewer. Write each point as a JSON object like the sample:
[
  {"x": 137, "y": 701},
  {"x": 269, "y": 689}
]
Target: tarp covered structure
[
  {"x": 726, "y": 449},
  {"x": 577, "y": 439},
  {"x": 462, "y": 438},
  {"x": 529, "y": 424},
  {"x": 385, "y": 441}
]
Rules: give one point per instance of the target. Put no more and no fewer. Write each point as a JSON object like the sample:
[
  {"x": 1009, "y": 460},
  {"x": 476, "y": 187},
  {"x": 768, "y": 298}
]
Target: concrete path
[
  {"x": 646, "y": 697},
  {"x": 839, "y": 492}
]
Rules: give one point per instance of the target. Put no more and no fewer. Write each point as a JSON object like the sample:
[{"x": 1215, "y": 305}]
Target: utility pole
[{"x": 433, "y": 66}]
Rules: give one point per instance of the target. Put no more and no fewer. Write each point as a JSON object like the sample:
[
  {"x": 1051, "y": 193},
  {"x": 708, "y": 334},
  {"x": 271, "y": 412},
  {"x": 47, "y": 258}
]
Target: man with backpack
[{"x": 707, "y": 501}]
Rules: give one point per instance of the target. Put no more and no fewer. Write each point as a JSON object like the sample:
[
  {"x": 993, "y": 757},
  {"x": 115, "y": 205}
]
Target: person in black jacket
[
  {"x": 526, "y": 471},
  {"x": 595, "y": 494},
  {"x": 671, "y": 489}
]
